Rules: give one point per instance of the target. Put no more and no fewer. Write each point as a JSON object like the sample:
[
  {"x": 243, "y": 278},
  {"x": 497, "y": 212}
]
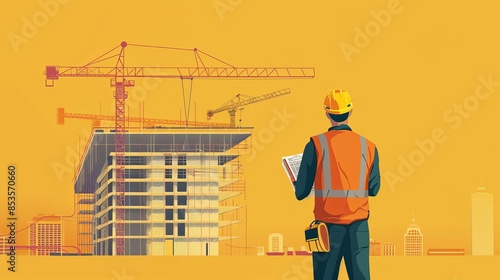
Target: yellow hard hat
[{"x": 338, "y": 102}]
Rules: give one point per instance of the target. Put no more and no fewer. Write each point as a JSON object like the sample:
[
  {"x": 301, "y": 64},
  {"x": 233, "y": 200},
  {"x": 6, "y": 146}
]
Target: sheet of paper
[{"x": 291, "y": 165}]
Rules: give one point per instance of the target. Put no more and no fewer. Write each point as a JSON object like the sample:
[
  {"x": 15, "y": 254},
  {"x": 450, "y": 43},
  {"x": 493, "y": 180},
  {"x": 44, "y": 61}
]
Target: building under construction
[{"x": 184, "y": 192}]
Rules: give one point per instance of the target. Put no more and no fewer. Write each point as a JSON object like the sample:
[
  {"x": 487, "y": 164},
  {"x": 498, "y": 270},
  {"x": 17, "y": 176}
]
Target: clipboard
[{"x": 291, "y": 165}]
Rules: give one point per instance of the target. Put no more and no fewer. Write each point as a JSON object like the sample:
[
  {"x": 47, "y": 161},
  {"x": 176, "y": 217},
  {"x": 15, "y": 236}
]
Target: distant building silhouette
[
  {"x": 374, "y": 248},
  {"x": 260, "y": 251},
  {"x": 4, "y": 245},
  {"x": 482, "y": 223},
  {"x": 303, "y": 251},
  {"x": 46, "y": 236},
  {"x": 445, "y": 252},
  {"x": 275, "y": 242},
  {"x": 388, "y": 249},
  {"x": 414, "y": 240}
]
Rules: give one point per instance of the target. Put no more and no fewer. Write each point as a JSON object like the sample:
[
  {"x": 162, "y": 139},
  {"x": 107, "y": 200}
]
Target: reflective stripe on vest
[
  {"x": 362, "y": 163},
  {"x": 327, "y": 174},
  {"x": 341, "y": 193}
]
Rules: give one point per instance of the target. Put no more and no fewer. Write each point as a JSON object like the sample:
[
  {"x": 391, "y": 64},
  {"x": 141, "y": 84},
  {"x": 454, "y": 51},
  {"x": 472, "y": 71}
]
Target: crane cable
[{"x": 188, "y": 109}]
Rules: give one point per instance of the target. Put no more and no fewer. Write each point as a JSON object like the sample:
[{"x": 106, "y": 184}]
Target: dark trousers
[{"x": 351, "y": 242}]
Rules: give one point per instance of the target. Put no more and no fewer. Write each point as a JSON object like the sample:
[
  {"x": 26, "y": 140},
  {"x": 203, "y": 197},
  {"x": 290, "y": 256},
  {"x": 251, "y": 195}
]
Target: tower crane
[
  {"x": 121, "y": 77},
  {"x": 241, "y": 100},
  {"x": 148, "y": 122}
]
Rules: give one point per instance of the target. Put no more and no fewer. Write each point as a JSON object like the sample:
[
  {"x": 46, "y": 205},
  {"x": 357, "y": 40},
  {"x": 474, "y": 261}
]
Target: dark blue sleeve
[
  {"x": 374, "y": 181},
  {"x": 307, "y": 172}
]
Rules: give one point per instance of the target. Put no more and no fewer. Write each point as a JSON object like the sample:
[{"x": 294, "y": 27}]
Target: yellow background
[{"x": 411, "y": 72}]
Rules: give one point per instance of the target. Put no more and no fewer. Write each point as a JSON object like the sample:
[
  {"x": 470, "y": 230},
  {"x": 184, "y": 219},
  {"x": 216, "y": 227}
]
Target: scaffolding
[
  {"x": 233, "y": 232},
  {"x": 84, "y": 225}
]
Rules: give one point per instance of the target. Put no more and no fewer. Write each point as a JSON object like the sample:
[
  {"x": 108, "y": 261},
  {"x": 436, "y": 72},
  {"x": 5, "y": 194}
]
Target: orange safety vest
[{"x": 344, "y": 161}]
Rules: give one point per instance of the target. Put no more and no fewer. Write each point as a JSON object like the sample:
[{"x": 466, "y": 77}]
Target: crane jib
[{"x": 54, "y": 72}]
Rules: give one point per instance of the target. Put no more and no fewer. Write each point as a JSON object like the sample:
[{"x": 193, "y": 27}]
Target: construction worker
[{"x": 344, "y": 168}]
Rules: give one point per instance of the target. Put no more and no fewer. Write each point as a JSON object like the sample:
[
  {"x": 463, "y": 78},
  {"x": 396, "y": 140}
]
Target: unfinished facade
[{"x": 184, "y": 194}]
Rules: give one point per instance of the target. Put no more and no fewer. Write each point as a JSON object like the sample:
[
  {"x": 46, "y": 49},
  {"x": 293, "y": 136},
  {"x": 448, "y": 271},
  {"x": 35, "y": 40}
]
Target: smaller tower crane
[{"x": 241, "y": 100}]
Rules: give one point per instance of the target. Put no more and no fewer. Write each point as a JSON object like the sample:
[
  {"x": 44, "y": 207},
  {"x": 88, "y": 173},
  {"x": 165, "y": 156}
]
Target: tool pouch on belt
[{"x": 317, "y": 237}]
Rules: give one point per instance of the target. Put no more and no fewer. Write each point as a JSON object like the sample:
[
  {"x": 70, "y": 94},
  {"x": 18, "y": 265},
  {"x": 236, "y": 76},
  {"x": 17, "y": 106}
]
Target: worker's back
[{"x": 344, "y": 160}]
